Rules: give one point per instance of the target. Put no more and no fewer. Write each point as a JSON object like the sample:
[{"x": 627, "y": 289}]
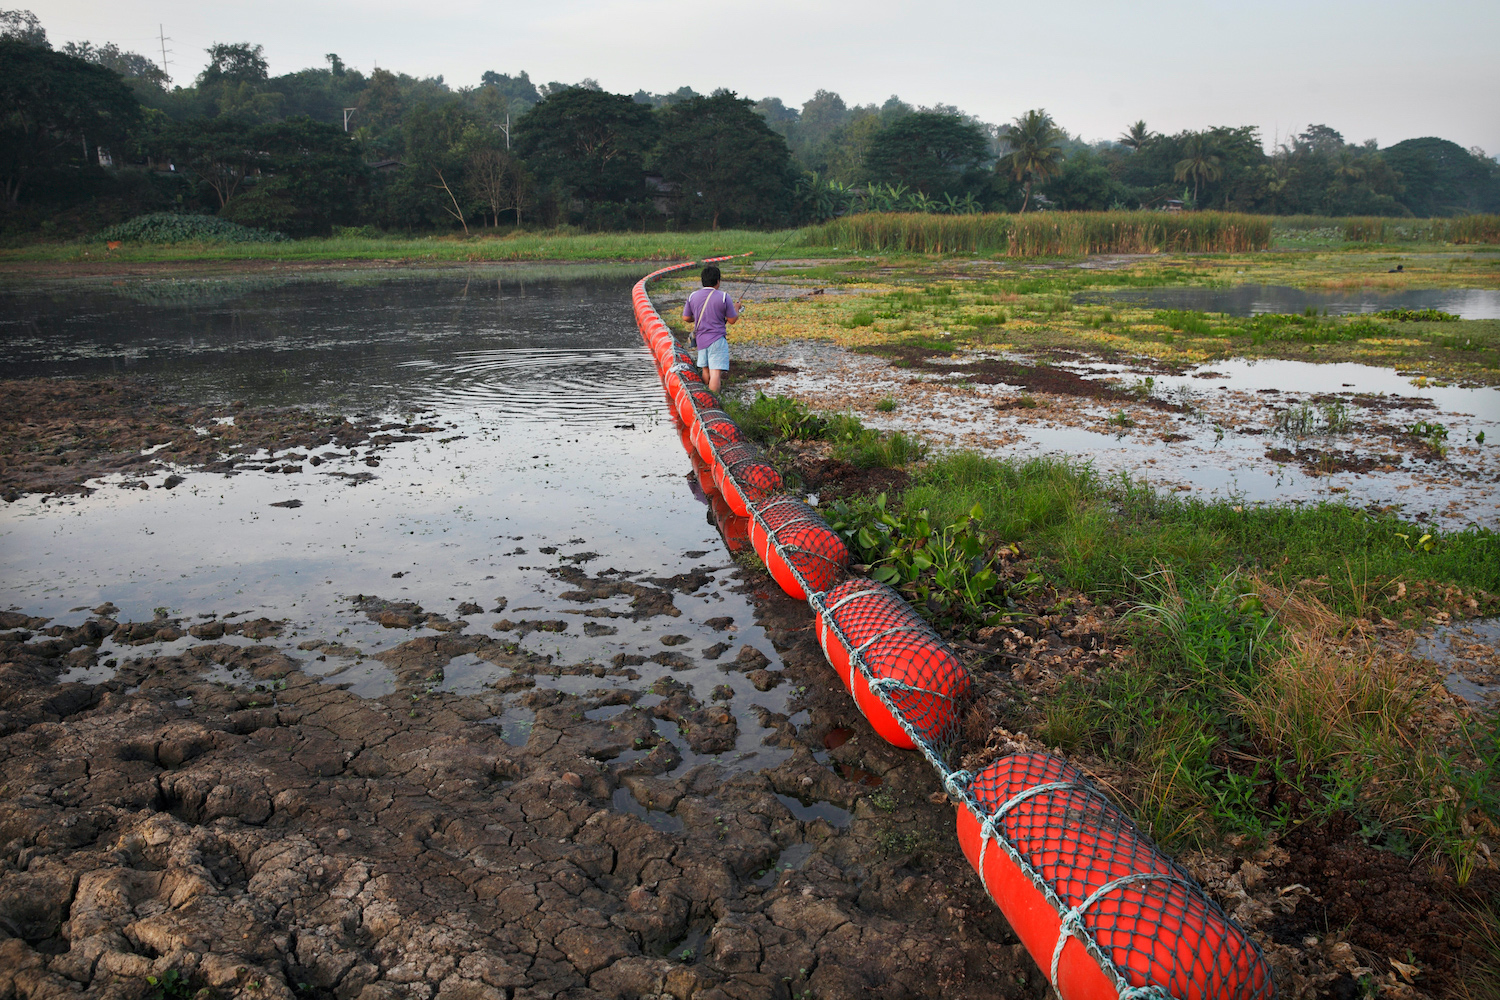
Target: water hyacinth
[{"x": 170, "y": 227}]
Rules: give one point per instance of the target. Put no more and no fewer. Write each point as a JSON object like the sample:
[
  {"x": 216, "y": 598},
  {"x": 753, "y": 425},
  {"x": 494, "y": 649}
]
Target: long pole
[
  {"x": 759, "y": 267},
  {"x": 161, "y": 34}
]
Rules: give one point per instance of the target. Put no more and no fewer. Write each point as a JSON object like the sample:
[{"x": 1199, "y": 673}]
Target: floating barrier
[
  {"x": 744, "y": 477},
  {"x": 1095, "y": 903},
  {"x": 803, "y": 554},
  {"x": 1101, "y": 910},
  {"x": 714, "y": 430},
  {"x": 894, "y": 664}
]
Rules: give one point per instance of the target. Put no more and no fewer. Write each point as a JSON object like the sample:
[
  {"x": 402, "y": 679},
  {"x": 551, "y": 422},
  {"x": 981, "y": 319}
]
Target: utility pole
[
  {"x": 506, "y": 129},
  {"x": 347, "y": 113},
  {"x": 161, "y": 35}
]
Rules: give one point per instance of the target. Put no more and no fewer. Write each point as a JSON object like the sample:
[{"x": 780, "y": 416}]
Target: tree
[
  {"x": 220, "y": 152},
  {"x": 1085, "y": 185},
  {"x": 933, "y": 153},
  {"x": 517, "y": 88},
  {"x": 1035, "y": 150},
  {"x": 52, "y": 108},
  {"x": 435, "y": 154},
  {"x": 494, "y": 177},
  {"x": 309, "y": 176},
  {"x": 23, "y": 26},
  {"x": 725, "y": 160},
  {"x": 1200, "y": 162},
  {"x": 130, "y": 65},
  {"x": 1137, "y": 136},
  {"x": 237, "y": 63},
  {"x": 592, "y": 144},
  {"x": 1443, "y": 178},
  {"x": 380, "y": 105}
]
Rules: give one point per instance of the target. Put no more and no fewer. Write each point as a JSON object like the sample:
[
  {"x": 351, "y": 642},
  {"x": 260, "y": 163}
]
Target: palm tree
[
  {"x": 1349, "y": 168},
  {"x": 1199, "y": 162},
  {"x": 1035, "y": 150},
  {"x": 1137, "y": 136}
]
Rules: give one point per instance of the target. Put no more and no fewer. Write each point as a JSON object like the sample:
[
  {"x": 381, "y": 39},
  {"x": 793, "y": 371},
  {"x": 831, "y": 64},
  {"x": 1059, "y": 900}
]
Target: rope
[{"x": 1072, "y": 924}]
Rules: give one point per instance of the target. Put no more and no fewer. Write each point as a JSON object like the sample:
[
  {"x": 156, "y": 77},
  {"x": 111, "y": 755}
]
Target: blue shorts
[{"x": 715, "y": 356}]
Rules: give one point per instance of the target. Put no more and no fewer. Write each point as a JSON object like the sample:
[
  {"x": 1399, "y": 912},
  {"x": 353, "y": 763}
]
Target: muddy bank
[
  {"x": 56, "y": 435},
  {"x": 224, "y": 814}
]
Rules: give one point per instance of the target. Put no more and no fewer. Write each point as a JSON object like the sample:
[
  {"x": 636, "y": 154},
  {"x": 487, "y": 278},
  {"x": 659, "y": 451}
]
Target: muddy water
[
  {"x": 554, "y": 453},
  {"x": 1255, "y": 300}
]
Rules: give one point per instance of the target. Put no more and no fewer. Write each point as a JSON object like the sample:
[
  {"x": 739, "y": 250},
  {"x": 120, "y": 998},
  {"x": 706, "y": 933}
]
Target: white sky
[{"x": 1373, "y": 69}]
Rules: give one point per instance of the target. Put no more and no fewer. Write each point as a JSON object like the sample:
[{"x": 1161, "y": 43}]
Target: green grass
[
  {"x": 1045, "y": 234},
  {"x": 1100, "y": 537},
  {"x": 1238, "y": 681},
  {"x": 508, "y": 246},
  {"x": 773, "y": 419}
]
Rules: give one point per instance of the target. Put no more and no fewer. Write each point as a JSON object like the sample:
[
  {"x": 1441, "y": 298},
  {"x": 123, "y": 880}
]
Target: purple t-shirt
[{"x": 707, "y": 309}]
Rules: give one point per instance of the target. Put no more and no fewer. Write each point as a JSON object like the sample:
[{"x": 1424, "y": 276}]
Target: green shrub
[
  {"x": 1417, "y": 315},
  {"x": 169, "y": 227}
]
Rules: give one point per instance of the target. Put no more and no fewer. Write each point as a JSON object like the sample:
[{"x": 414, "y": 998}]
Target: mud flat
[{"x": 1267, "y": 431}]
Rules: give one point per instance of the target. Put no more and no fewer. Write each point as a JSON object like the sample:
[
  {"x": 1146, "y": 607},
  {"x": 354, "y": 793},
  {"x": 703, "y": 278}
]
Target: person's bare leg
[
  {"x": 714, "y": 375},
  {"x": 704, "y": 372}
]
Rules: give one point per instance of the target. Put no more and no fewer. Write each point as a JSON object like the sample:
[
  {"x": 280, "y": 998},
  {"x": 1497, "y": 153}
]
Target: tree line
[{"x": 90, "y": 134}]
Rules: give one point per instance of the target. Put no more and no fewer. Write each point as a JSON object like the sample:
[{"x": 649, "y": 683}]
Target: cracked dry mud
[{"x": 285, "y": 837}]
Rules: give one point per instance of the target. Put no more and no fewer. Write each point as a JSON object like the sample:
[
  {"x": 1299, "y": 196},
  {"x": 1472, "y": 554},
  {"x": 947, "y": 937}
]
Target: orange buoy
[
  {"x": 802, "y": 553},
  {"x": 877, "y": 641},
  {"x": 1042, "y": 830}
]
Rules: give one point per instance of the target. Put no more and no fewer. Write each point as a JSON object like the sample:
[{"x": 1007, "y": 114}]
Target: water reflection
[{"x": 361, "y": 338}]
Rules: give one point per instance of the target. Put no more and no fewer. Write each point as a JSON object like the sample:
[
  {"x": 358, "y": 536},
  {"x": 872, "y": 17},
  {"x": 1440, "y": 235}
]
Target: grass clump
[
  {"x": 169, "y": 227},
  {"x": 1253, "y": 698},
  {"x": 1417, "y": 315},
  {"x": 1309, "y": 419},
  {"x": 1045, "y": 234},
  {"x": 774, "y": 419}
]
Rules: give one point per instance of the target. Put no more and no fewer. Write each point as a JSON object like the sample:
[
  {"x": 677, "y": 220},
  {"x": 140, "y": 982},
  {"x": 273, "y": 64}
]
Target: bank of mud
[
  {"x": 270, "y": 834},
  {"x": 56, "y": 435}
]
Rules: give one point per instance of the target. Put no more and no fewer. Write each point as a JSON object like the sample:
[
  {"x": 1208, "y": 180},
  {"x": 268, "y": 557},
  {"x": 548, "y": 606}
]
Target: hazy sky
[{"x": 1374, "y": 69}]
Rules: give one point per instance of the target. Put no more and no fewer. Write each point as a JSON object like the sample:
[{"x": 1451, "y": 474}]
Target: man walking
[{"x": 711, "y": 311}]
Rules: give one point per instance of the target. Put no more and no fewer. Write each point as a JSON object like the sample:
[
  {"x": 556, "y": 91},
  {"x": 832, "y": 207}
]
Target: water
[
  {"x": 1470, "y": 651},
  {"x": 1254, "y": 300},
  {"x": 554, "y": 437}
]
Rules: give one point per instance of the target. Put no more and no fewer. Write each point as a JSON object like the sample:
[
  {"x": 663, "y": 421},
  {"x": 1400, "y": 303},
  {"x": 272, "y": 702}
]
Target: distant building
[
  {"x": 1171, "y": 205},
  {"x": 386, "y": 166}
]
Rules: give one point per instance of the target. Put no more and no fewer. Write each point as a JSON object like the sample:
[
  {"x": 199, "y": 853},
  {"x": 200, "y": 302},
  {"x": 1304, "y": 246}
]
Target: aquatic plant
[
  {"x": 1417, "y": 315},
  {"x": 169, "y": 227}
]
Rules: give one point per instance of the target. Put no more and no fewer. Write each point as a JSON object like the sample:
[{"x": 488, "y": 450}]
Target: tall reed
[{"x": 1045, "y": 234}]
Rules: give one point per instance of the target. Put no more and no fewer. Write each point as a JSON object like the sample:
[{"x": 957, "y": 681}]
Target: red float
[
  {"x": 803, "y": 554},
  {"x": 875, "y": 640},
  {"x": 1055, "y": 854}
]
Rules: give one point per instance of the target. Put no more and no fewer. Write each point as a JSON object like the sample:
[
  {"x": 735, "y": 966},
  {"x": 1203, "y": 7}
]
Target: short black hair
[{"x": 710, "y": 276}]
